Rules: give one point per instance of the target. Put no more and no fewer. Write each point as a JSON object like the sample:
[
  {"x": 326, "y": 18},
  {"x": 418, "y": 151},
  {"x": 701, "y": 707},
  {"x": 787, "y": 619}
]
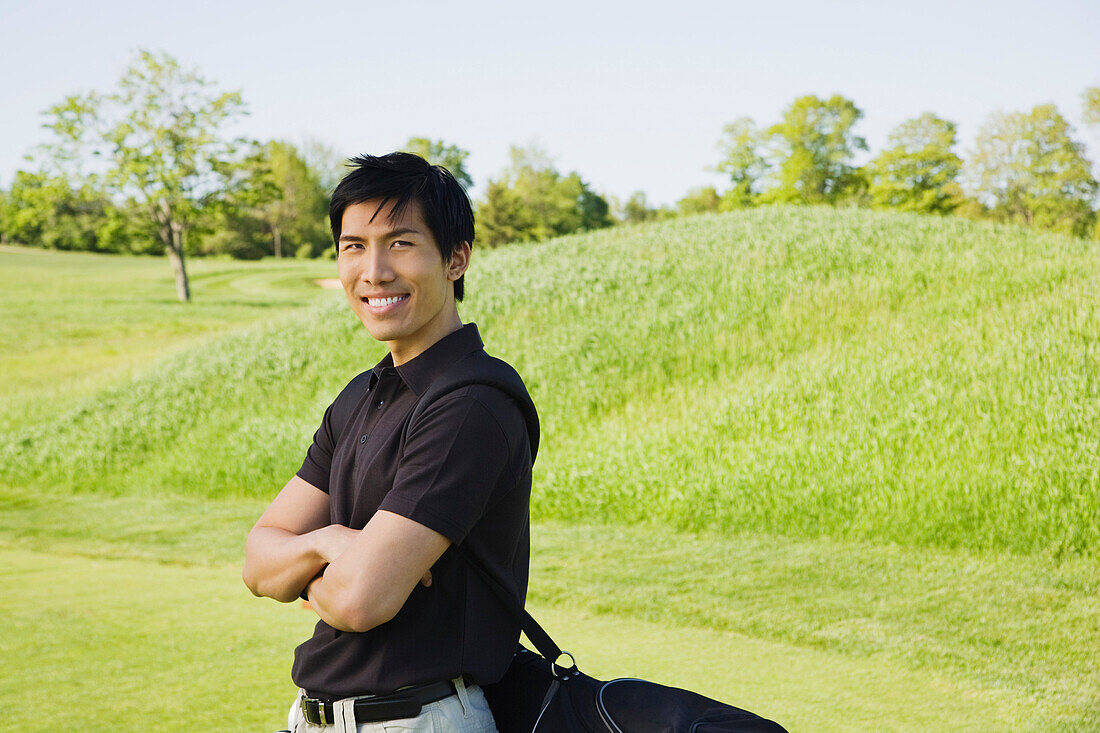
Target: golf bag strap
[{"x": 542, "y": 641}]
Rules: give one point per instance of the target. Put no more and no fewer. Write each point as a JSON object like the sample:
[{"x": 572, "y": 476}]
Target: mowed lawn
[
  {"x": 127, "y": 594},
  {"x": 119, "y": 637}
]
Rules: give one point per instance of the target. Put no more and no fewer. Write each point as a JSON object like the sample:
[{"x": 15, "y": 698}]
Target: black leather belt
[{"x": 405, "y": 703}]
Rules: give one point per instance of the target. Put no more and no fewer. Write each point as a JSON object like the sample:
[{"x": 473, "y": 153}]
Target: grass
[
  {"x": 74, "y": 323},
  {"x": 805, "y": 372},
  {"x": 191, "y": 631},
  {"x": 816, "y": 633},
  {"x": 840, "y": 468}
]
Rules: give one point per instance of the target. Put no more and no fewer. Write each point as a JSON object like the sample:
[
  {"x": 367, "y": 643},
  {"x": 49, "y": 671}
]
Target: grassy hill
[
  {"x": 74, "y": 323},
  {"x": 804, "y": 372}
]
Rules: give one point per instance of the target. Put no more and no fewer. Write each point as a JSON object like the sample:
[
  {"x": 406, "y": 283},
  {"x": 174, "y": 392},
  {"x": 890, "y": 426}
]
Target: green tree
[
  {"x": 47, "y": 211},
  {"x": 532, "y": 201},
  {"x": 296, "y": 205},
  {"x": 436, "y": 152},
  {"x": 276, "y": 206},
  {"x": 1091, "y": 106},
  {"x": 636, "y": 209},
  {"x": 234, "y": 223},
  {"x": 1027, "y": 168},
  {"x": 743, "y": 161},
  {"x": 916, "y": 170},
  {"x": 1091, "y": 114},
  {"x": 159, "y": 137},
  {"x": 699, "y": 201},
  {"x": 810, "y": 151},
  {"x": 503, "y": 216},
  {"x": 327, "y": 165}
]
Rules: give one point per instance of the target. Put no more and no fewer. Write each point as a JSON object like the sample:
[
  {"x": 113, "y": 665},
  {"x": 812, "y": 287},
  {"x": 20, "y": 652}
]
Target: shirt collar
[{"x": 421, "y": 371}]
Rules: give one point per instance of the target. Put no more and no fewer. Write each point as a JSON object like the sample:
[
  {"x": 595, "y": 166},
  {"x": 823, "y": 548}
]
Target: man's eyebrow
[
  {"x": 403, "y": 231},
  {"x": 392, "y": 233}
]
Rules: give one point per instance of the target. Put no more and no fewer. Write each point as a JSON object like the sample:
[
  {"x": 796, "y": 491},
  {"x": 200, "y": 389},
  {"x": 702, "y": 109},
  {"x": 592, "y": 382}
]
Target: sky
[{"x": 633, "y": 96}]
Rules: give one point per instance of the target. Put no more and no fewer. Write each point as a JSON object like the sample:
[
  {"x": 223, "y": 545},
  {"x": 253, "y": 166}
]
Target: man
[{"x": 365, "y": 530}]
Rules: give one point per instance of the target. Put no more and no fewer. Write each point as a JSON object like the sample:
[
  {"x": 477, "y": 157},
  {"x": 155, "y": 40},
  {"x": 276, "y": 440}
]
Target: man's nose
[{"x": 376, "y": 266}]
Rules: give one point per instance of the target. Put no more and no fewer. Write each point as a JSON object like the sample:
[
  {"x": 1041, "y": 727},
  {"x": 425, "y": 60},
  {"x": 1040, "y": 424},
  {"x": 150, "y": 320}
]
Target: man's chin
[{"x": 382, "y": 333}]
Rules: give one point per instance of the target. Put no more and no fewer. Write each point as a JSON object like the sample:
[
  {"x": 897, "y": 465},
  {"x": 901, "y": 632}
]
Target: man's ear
[{"x": 460, "y": 260}]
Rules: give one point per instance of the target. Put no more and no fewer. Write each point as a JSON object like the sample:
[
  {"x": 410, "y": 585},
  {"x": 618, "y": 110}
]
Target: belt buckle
[{"x": 321, "y": 717}]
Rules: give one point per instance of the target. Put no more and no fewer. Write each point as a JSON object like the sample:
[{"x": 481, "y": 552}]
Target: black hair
[{"x": 401, "y": 178}]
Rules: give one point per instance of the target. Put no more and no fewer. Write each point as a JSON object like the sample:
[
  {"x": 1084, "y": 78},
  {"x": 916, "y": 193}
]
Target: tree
[
  {"x": 297, "y": 205},
  {"x": 810, "y": 151},
  {"x": 158, "y": 138},
  {"x": 277, "y": 206},
  {"x": 327, "y": 165},
  {"x": 699, "y": 201},
  {"x": 1091, "y": 106},
  {"x": 916, "y": 170},
  {"x": 532, "y": 201},
  {"x": 637, "y": 209},
  {"x": 1027, "y": 168},
  {"x": 743, "y": 161},
  {"x": 436, "y": 152},
  {"x": 42, "y": 210}
]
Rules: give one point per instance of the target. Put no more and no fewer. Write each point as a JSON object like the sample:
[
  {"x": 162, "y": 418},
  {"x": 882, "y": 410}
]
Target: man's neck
[{"x": 405, "y": 352}]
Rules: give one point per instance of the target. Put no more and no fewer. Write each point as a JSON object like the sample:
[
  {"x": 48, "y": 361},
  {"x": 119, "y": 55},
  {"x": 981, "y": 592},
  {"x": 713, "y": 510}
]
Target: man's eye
[{"x": 402, "y": 243}]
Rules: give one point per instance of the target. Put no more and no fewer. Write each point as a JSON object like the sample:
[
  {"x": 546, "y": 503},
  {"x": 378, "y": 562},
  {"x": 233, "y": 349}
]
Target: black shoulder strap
[
  {"x": 478, "y": 368},
  {"x": 526, "y": 621}
]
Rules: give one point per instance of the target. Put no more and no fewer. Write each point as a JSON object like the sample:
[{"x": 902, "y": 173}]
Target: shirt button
[
  {"x": 380, "y": 403},
  {"x": 362, "y": 439}
]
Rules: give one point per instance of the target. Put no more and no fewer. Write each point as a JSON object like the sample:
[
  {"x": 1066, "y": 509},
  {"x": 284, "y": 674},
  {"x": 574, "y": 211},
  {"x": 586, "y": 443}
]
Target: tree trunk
[
  {"x": 278, "y": 235},
  {"x": 175, "y": 256}
]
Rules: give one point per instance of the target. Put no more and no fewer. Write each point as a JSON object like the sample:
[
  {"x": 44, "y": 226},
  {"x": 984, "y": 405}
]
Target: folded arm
[
  {"x": 291, "y": 542},
  {"x": 373, "y": 577},
  {"x": 367, "y": 574}
]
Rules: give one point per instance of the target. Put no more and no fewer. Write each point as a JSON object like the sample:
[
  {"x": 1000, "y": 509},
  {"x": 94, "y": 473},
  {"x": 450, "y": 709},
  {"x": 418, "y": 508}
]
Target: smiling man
[{"x": 366, "y": 529}]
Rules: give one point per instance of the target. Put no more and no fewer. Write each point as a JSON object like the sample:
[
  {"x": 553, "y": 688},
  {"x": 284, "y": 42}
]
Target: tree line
[
  {"x": 149, "y": 167},
  {"x": 1025, "y": 167}
]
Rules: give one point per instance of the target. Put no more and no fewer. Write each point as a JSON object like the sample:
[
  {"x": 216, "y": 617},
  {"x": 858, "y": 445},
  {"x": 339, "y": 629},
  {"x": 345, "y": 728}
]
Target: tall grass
[{"x": 805, "y": 372}]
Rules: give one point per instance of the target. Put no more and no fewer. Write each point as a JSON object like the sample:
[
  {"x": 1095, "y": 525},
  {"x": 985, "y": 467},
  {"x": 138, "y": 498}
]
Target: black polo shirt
[{"x": 464, "y": 470}]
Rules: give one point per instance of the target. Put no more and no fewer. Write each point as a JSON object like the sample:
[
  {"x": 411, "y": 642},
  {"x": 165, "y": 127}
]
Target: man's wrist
[{"x": 305, "y": 591}]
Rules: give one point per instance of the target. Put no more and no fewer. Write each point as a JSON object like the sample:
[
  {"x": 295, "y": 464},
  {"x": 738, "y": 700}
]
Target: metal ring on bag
[{"x": 566, "y": 670}]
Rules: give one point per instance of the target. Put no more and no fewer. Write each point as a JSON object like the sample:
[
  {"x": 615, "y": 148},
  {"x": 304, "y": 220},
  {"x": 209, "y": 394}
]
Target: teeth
[{"x": 384, "y": 301}]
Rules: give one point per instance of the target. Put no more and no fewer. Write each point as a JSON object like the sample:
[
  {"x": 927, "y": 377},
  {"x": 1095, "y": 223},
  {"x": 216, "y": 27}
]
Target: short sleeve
[
  {"x": 458, "y": 460},
  {"x": 318, "y": 461}
]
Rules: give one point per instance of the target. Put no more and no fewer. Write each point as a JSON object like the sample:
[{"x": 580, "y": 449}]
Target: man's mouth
[{"x": 381, "y": 302}]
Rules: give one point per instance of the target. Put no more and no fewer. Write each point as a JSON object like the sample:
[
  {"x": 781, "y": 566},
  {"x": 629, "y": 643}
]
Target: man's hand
[
  {"x": 372, "y": 578},
  {"x": 375, "y": 568},
  {"x": 281, "y": 553},
  {"x": 331, "y": 541}
]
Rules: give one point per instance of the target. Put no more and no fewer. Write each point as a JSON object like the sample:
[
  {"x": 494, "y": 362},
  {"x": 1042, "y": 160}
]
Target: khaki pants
[{"x": 464, "y": 712}]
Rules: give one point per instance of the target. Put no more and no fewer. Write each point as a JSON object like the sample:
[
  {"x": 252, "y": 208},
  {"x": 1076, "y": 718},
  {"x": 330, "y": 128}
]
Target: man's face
[{"x": 395, "y": 279}]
